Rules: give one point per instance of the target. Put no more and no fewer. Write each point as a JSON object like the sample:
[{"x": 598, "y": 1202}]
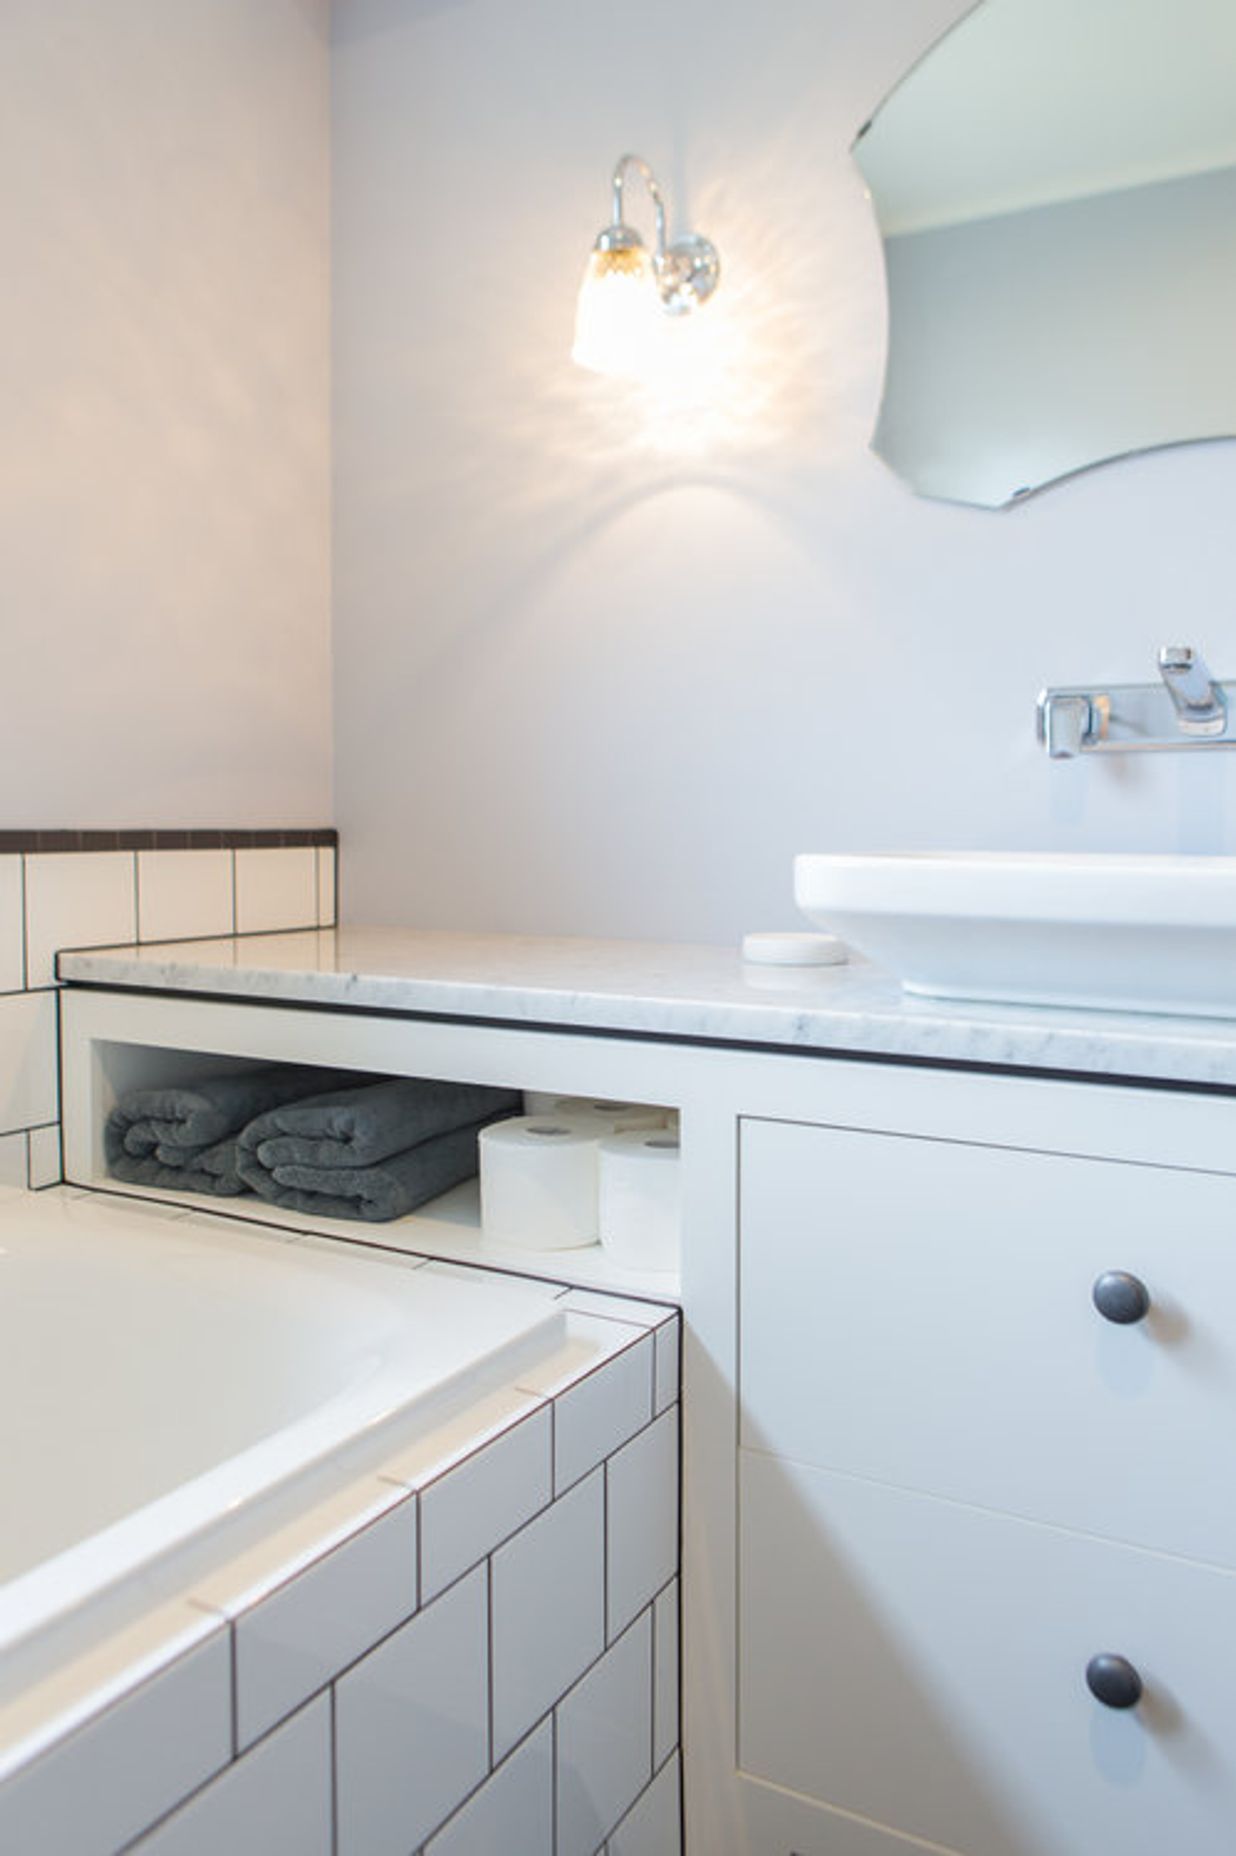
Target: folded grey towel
[
  {"x": 182, "y": 1138},
  {"x": 195, "y": 1169},
  {"x": 362, "y": 1127},
  {"x": 389, "y": 1189},
  {"x": 161, "y": 1121}
]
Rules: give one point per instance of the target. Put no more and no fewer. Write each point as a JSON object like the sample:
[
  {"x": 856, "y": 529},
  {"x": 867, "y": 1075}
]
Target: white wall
[
  {"x": 164, "y": 465},
  {"x": 604, "y": 670}
]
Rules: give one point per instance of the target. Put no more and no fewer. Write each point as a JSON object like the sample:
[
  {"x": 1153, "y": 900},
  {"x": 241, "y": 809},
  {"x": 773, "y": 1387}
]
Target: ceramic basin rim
[{"x": 1136, "y": 892}]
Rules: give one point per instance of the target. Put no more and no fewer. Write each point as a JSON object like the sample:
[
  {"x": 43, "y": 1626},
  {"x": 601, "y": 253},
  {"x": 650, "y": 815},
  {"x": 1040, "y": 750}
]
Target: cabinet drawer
[
  {"x": 920, "y": 1312},
  {"x": 922, "y": 1665}
]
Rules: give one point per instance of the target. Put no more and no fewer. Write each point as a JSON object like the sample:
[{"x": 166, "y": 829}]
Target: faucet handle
[
  {"x": 1199, "y": 704},
  {"x": 1067, "y": 721}
]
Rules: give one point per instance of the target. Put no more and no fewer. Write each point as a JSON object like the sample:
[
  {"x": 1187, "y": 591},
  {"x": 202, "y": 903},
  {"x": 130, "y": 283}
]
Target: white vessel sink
[{"x": 1143, "y": 934}]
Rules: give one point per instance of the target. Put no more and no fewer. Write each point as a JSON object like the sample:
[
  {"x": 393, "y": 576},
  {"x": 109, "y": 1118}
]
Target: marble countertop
[{"x": 666, "y": 990}]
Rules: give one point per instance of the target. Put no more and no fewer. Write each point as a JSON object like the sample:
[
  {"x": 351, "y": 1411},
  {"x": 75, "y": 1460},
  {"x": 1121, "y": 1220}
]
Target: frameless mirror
[{"x": 1055, "y": 183}]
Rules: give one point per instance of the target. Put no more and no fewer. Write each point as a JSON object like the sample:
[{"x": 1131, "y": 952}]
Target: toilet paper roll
[
  {"x": 539, "y": 1182},
  {"x": 540, "y": 1101},
  {"x": 641, "y": 1199},
  {"x": 610, "y": 1117}
]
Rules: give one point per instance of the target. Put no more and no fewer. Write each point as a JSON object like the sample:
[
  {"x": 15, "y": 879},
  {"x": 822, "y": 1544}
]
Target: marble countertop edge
[{"x": 672, "y": 990}]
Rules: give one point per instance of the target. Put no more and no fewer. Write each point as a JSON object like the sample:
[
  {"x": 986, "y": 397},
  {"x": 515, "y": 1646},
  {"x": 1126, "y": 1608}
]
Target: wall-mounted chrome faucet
[{"x": 1186, "y": 709}]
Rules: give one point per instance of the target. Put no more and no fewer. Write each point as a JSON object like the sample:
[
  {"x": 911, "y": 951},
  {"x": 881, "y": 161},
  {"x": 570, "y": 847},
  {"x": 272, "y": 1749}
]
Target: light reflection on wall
[{"x": 740, "y": 374}]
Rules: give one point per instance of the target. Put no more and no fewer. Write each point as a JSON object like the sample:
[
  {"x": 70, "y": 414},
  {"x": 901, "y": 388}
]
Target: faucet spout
[{"x": 1200, "y": 706}]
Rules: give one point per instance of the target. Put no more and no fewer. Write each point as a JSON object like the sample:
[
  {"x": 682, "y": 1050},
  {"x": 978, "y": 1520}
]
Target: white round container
[
  {"x": 794, "y": 950},
  {"x": 641, "y": 1199},
  {"x": 539, "y": 1182}
]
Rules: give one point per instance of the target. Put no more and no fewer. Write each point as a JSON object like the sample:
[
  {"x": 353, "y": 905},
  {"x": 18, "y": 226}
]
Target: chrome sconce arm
[
  {"x": 687, "y": 271},
  {"x": 1185, "y": 709}
]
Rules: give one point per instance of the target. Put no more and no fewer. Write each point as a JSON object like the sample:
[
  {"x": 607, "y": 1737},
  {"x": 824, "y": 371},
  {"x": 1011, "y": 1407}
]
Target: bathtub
[{"x": 166, "y": 1376}]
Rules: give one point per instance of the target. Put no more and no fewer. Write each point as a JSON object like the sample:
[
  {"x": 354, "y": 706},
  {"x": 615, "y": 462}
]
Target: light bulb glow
[{"x": 618, "y": 323}]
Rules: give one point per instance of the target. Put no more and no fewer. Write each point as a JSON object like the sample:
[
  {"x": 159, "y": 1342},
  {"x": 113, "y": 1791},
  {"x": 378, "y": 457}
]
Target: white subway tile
[
  {"x": 513, "y": 1811},
  {"x": 548, "y": 1610},
  {"x": 605, "y": 1743},
  {"x": 76, "y": 899},
  {"x": 642, "y": 1520},
  {"x": 89, "y": 1794},
  {"x": 276, "y": 889},
  {"x": 28, "y": 1060},
  {"x": 599, "y": 1412},
  {"x": 411, "y": 1726},
  {"x": 291, "y": 1643},
  {"x": 326, "y": 886},
  {"x": 588, "y": 1343},
  {"x": 277, "y": 1798},
  {"x": 454, "y": 1441},
  {"x": 665, "y": 1724},
  {"x": 183, "y": 893},
  {"x": 470, "y": 1509},
  {"x": 44, "y": 1166},
  {"x": 12, "y": 926},
  {"x": 296, "y": 1545},
  {"x": 13, "y": 1161},
  {"x": 653, "y": 1825},
  {"x": 668, "y": 1366}
]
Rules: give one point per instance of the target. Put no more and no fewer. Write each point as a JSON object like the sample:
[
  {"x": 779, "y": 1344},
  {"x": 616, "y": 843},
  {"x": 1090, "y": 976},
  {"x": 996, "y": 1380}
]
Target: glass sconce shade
[
  {"x": 616, "y": 322},
  {"x": 628, "y": 293}
]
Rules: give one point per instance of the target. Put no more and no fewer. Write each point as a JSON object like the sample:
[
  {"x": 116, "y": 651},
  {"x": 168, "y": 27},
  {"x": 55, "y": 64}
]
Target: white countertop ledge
[{"x": 672, "y": 990}]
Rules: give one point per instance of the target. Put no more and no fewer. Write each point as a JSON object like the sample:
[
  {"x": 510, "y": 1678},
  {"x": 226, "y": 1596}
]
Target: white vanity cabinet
[
  {"x": 926, "y": 1479},
  {"x": 959, "y": 1482}
]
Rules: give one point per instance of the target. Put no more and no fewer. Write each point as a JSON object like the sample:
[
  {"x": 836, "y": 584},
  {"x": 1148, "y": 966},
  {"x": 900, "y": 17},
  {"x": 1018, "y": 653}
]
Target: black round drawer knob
[
  {"x": 1121, "y": 1298},
  {"x": 1113, "y": 1681}
]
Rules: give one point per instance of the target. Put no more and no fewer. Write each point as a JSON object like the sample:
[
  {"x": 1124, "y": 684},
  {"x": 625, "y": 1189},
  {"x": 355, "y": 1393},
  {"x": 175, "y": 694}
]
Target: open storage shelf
[{"x": 107, "y": 1050}]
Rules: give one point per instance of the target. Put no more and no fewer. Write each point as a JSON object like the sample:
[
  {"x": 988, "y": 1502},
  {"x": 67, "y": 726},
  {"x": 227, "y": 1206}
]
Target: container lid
[{"x": 794, "y": 950}]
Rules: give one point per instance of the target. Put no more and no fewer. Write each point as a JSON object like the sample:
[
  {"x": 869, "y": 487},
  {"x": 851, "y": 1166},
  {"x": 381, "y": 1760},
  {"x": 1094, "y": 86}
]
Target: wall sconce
[{"x": 627, "y": 292}]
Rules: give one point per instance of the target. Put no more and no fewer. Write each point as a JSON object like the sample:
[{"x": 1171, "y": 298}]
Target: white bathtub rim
[{"x": 346, "y": 1434}]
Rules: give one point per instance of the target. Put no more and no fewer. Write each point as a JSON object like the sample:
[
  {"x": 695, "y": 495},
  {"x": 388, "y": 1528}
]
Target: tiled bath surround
[
  {"x": 472, "y": 1649},
  {"x": 87, "y": 889}
]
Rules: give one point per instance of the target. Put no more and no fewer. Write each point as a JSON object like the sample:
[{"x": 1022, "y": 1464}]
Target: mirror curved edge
[{"x": 1056, "y": 220}]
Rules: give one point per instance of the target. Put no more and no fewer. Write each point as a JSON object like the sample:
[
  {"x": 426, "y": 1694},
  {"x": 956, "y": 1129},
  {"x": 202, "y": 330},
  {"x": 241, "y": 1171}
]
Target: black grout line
[
  {"x": 489, "y": 1657},
  {"x": 553, "y": 1779},
  {"x": 420, "y": 1538},
  {"x": 25, "y": 934},
  {"x": 605, "y": 1545},
  {"x": 334, "y": 1771},
  {"x": 235, "y": 1688},
  {"x": 652, "y": 1706}
]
